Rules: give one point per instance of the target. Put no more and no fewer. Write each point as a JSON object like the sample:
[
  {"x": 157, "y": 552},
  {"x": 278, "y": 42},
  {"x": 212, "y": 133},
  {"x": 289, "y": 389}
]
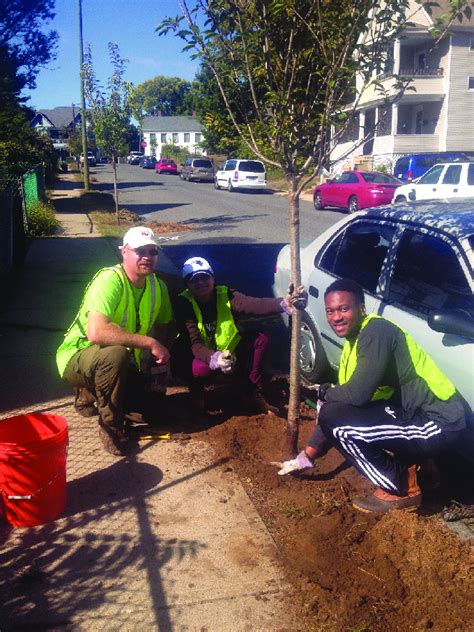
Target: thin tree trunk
[
  {"x": 295, "y": 386},
  {"x": 116, "y": 190}
]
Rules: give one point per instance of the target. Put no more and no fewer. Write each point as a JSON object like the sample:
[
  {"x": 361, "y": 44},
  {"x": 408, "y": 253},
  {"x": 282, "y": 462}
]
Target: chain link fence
[{"x": 17, "y": 195}]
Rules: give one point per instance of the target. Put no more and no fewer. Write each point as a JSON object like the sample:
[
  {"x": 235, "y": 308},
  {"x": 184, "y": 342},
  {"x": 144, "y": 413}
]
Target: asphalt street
[{"x": 240, "y": 233}]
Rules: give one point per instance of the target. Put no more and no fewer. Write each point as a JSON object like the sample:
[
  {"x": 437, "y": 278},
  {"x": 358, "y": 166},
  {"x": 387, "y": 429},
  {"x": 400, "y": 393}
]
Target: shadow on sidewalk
[{"x": 82, "y": 561}]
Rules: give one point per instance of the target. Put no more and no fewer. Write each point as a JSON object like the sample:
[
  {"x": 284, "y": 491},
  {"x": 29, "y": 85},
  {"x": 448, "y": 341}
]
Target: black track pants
[{"x": 380, "y": 444}]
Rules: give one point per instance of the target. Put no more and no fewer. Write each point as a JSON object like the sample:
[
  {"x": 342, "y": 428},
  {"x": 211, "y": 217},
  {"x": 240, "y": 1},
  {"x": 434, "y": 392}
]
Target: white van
[
  {"x": 241, "y": 174},
  {"x": 448, "y": 180}
]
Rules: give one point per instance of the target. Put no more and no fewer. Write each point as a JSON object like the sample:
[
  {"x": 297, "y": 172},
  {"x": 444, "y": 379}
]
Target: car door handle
[{"x": 314, "y": 291}]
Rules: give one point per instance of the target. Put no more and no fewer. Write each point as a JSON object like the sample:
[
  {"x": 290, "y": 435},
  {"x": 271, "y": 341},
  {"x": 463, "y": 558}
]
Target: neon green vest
[
  {"x": 424, "y": 366},
  {"x": 125, "y": 316},
  {"x": 227, "y": 335}
]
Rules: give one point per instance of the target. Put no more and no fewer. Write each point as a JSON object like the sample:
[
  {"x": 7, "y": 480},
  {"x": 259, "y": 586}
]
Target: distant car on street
[
  {"x": 147, "y": 162},
  {"x": 134, "y": 157},
  {"x": 413, "y": 166},
  {"x": 197, "y": 170},
  {"x": 165, "y": 165},
  {"x": 448, "y": 180},
  {"x": 415, "y": 264},
  {"x": 354, "y": 190},
  {"x": 241, "y": 174},
  {"x": 91, "y": 159}
]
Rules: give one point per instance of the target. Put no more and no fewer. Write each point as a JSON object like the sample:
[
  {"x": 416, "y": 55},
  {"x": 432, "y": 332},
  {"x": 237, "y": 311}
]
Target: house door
[{"x": 419, "y": 122}]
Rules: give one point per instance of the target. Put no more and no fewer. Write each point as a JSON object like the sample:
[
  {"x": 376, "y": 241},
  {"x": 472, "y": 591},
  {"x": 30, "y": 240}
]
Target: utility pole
[{"x": 83, "y": 104}]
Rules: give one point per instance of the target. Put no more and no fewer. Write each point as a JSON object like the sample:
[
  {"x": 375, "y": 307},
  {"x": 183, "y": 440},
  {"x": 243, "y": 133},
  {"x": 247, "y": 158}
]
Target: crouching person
[
  {"x": 392, "y": 409},
  {"x": 109, "y": 347},
  {"x": 209, "y": 340}
]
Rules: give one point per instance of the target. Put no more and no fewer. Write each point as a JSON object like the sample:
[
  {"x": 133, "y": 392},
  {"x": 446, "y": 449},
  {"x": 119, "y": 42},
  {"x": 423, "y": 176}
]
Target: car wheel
[
  {"x": 400, "y": 199},
  {"x": 318, "y": 202},
  {"x": 216, "y": 184},
  {"x": 181, "y": 176},
  {"x": 353, "y": 204},
  {"x": 314, "y": 364},
  {"x": 158, "y": 171},
  {"x": 230, "y": 186}
]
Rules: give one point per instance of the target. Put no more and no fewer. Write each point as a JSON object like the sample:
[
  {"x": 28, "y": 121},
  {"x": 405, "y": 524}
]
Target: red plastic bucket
[{"x": 33, "y": 450}]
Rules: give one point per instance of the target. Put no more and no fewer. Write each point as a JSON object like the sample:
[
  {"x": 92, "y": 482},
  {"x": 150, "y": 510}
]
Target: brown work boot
[
  {"x": 382, "y": 502},
  {"x": 116, "y": 442},
  {"x": 257, "y": 402},
  {"x": 84, "y": 403}
]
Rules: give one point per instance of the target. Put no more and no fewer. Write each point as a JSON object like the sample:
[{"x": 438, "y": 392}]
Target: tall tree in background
[
  {"x": 109, "y": 109},
  {"x": 286, "y": 71},
  {"x": 25, "y": 46},
  {"x": 164, "y": 96}
]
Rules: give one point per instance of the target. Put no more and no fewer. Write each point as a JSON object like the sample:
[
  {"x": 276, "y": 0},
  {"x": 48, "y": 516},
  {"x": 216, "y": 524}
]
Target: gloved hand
[
  {"x": 322, "y": 390},
  {"x": 299, "y": 464},
  {"x": 222, "y": 360},
  {"x": 295, "y": 298}
]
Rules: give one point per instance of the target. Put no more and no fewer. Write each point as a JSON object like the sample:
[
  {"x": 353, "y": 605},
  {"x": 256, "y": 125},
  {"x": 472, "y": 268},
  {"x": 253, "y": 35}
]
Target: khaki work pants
[{"x": 111, "y": 375}]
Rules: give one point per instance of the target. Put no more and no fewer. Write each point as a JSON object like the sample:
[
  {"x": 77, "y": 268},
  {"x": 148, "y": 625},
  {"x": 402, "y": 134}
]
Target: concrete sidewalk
[{"x": 166, "y": 540}]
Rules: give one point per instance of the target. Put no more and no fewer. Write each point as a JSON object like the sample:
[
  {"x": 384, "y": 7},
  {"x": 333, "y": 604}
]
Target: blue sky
[{"x": 129, "y": 23}]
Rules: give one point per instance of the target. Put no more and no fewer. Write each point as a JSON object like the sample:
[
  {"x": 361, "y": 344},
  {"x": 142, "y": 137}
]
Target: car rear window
[
  {"x": 380, "y": 178},
  {"x": 206, "y": 164},
  {"x": 252, "y": 165},
  {"x": 402, "y": 164},
  {"x": 470, "y": 174}
]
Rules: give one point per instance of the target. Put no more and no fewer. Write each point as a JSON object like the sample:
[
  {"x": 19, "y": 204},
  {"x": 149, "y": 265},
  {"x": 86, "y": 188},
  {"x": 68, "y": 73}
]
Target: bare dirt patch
[{"x": 352, "y": 571}]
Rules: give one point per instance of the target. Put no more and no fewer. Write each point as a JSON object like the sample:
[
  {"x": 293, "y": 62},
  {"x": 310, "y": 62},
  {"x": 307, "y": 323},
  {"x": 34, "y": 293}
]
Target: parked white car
[
  {"x": 448, "y": 180},
  {"x": 415, "y": 263},
  {"x": 241, "y": 174}
]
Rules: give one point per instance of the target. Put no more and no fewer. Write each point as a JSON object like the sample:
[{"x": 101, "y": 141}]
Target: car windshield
[
  {"x": 207, "y": 164},
  {"x": 380, "y": 178},
  {"x": 252, "y": 165}
]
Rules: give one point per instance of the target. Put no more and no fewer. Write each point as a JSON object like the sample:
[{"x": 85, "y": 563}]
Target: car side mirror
[{"x": 453, "y": 321}]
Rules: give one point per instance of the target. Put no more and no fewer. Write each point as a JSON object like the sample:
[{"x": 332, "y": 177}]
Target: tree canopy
[{"x": 164, "y": 96}]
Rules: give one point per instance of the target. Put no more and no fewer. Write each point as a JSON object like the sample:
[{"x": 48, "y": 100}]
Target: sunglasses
[{"x": 146, "y": 252}]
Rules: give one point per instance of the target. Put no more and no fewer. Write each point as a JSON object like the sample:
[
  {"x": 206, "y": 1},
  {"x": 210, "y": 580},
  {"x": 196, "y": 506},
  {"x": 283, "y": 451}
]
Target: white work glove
[
  {"x": 295, "y": 298},
  {"x": 222, "y": 360},
  {"x": 299, "y": 464}
]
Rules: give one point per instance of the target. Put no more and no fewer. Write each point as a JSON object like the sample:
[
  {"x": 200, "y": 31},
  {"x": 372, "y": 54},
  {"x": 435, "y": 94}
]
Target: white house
[
  {"x": 438, "y": 115},
  {"x": 185, "y": 131}
]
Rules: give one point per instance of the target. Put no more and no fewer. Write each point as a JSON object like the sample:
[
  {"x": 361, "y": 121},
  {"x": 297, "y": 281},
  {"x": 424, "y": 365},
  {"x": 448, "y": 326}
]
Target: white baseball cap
[
  {"x": 196, "y": 265},
  {"x": 139, "y": 236}
]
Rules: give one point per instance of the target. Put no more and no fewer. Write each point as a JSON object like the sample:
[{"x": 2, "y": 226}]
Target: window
[
  {"x": 175, "y": 137},
  {"x": 427, "y": 276},
  {"x": 379, "y": 178},
  {"x": 471, "y": 83},
  {"x": 359, "y": 253},
  {"x": 432, "y": 176},
  {"x": 187, "y": 137},
  {"x": 470, "y": 174},
  {"x": 347, "y": 178},
  {"x": 152, "y": 138},
  {"x": 230, "y": 165},
  {"x": 163, "y": 138},
  {"x": 197, "y": 137},
  {"x": 252, "y": 165},
  {"x": 452, "y": 175}
]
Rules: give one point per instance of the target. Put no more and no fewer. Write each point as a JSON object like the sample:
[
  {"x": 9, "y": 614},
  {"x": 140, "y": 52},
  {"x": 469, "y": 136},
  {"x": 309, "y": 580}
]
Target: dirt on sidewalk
[{"x": 351, "y": 570}]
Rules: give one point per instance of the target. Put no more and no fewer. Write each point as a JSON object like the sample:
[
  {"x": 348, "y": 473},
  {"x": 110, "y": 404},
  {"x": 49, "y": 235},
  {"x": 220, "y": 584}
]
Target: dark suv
[{"x": 197, "y": 169}]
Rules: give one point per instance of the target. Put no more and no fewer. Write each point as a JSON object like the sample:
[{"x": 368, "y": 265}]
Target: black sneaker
[{"x": 116, "y": 442}]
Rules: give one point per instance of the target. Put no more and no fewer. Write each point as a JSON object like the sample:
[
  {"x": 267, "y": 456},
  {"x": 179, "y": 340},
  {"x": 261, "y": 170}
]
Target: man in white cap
[
  {"x": 210, "y": 342},
  {"x": 119, "y": 330}
]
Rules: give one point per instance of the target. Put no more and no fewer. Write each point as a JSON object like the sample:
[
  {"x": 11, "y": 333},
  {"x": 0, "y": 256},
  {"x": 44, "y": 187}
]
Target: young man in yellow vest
[
  {"x": 209, "y": 338},
  {"x": 119, "y": 331},
  {"x": 391, "y": 409}
]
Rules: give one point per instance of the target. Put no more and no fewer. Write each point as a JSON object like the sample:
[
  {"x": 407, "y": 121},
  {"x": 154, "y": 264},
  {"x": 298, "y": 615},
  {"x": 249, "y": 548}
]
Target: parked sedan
[
  {"x": 148, "y": 162},
  {"x": 415, "y": 264},
  {"x": 165, "y": 165},
  {"x": 356, "y": 190}
]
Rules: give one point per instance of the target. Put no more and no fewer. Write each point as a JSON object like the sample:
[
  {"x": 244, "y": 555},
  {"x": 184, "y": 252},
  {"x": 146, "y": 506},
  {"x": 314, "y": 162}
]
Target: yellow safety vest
[
  {"x": 227, "y": 336},
  {"x": 424, "y": 366}
]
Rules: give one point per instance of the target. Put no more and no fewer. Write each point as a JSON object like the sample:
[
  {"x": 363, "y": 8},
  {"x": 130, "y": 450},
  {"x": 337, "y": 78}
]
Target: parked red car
[
  {"x": 355, "y": 190},
  {"x": 164, "y": 165}
]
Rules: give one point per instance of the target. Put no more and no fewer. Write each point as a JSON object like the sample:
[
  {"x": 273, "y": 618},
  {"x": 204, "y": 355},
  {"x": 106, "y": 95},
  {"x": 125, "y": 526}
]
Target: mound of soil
[{"x": 351, "y": 570}]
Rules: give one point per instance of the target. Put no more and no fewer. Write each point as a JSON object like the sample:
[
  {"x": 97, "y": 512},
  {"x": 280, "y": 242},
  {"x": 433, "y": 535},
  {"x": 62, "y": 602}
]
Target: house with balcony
[
  {"x": 184, "y": 131},
  {"x": 436, "y": 112}
]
